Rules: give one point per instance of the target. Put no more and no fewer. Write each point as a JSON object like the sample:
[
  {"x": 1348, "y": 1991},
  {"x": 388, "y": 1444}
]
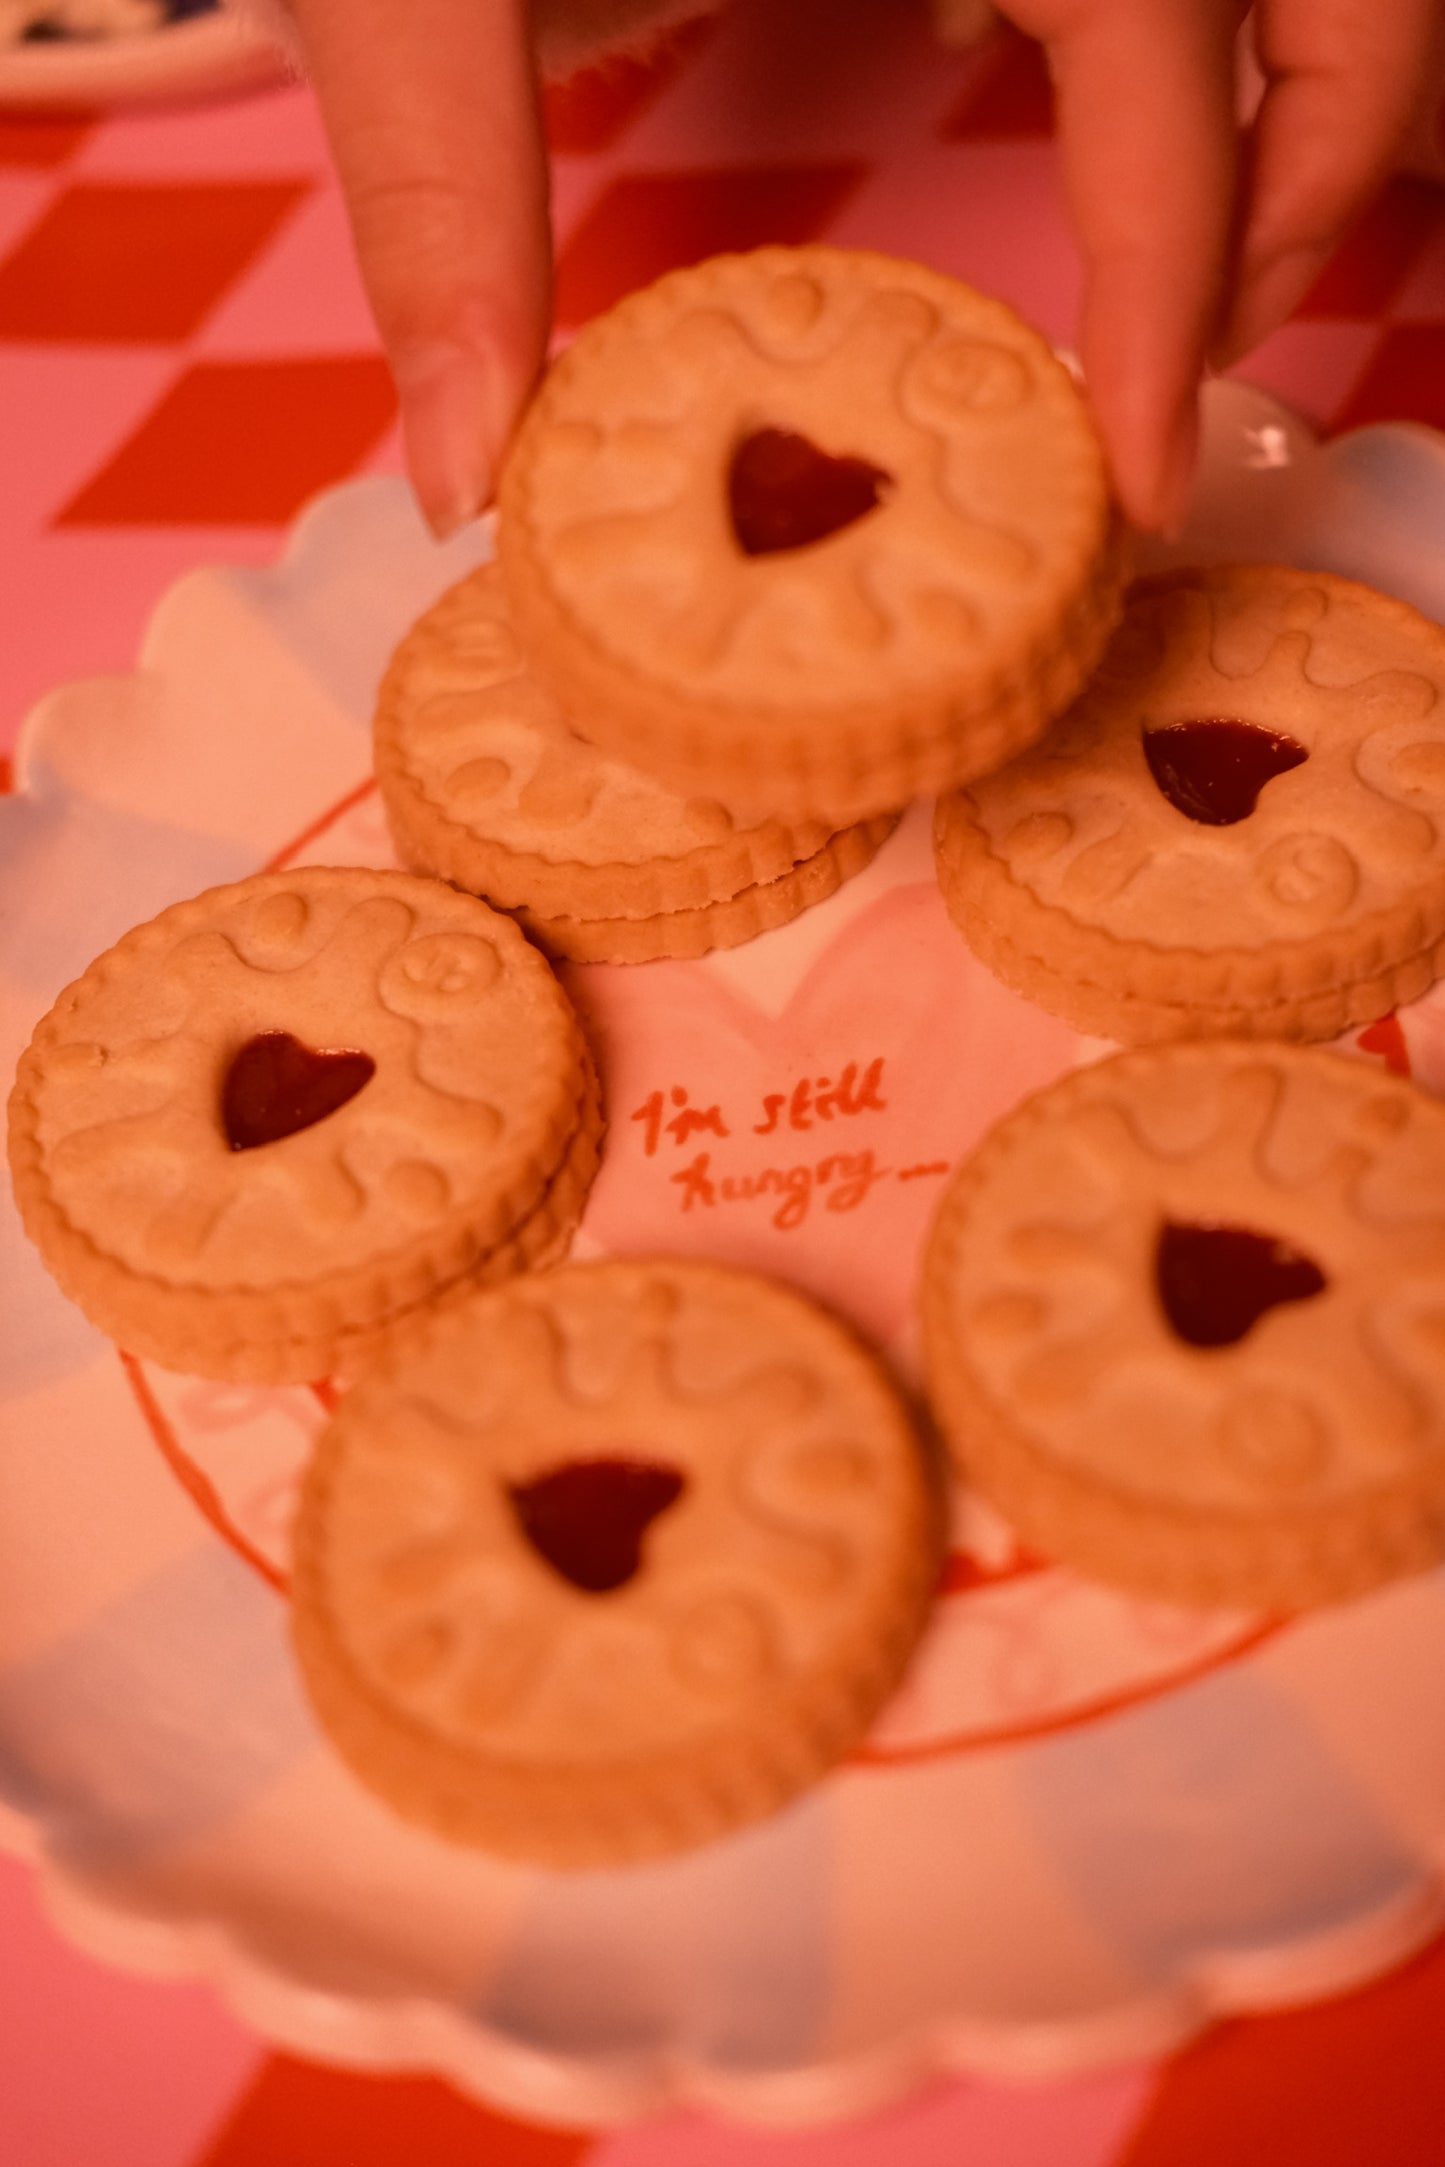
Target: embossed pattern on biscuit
[
  {"x": 489, "y": 746},
  {"x": 1333, "y": 1389},
  {"x": 486, "y": 783},
  {"x": 1353, "y": 818},
  {"x": 474, "y": 1075},
  {"x": 792, "y": 1516},
  {"x": 993, "y": 478}
]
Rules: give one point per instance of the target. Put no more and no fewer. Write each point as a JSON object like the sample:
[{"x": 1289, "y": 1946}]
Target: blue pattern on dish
[
  {"x": 727, "y": 1950},
  {"x": 1211, "y": 1819},
  {"x": 127, "y": 868},
  {"x": 1380, "y": 491},
  {"x": 45, "y": 1337},
  {"x": 157, "y": 1719}
]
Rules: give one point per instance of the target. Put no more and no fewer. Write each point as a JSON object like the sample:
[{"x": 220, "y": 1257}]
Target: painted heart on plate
[{"x": 812, "y": 1144}]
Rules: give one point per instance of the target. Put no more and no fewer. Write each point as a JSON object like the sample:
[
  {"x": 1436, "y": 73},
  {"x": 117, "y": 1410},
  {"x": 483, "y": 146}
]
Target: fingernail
[
  {"x": 1158, "y": 487},
  {"x": 1177, "y": 472},
  {"x": 448, "y": 396}
]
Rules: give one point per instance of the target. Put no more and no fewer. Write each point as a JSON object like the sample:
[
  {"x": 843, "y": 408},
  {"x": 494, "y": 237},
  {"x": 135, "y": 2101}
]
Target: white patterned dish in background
[{"x": 200, "y": 56}]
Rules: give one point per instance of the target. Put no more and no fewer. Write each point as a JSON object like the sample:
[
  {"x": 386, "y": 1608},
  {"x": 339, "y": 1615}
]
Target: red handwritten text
[
  {"x": 821, "y": 1099},
  {"x": 847, "y": 1176},
  {"x": 687, "y": 1122}
]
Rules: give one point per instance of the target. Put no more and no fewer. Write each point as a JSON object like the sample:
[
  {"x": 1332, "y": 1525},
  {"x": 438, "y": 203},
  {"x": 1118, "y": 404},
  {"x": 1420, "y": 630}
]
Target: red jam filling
[
  {"x": 1215, "y": 1282},
  {"x": 275, "y": 1086},
  {"x": 1212, "y": 770},
  {"x": 587, "y": 1518},
  {"x": 783, "y": 492}
]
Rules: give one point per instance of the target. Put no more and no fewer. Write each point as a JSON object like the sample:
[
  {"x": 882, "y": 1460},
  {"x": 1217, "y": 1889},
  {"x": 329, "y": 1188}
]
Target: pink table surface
[{"x": 185, "y": 356}]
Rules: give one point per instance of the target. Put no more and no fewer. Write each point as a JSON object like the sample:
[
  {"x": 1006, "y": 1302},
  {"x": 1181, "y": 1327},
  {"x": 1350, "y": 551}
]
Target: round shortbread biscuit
[
  {"x": 183, "y": 1160},
  {"x": 612, "y": 1561},
  {"x": 539, "y": 1241},
  {"x": 651, "y": 552},
  {"x": 1184, "y": 1322},
  {"x": 1239, "y": 828},
  {"x": 486, "y": 785}
]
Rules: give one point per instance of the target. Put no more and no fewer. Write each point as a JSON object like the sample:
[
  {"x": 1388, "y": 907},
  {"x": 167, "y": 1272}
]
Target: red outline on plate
[
  {"x": 1107, "y": 1704},
  {"x": 319, "y": 825},
  {"x": 197, "y": 1485},
  {"x": 962, "y": 1574}
]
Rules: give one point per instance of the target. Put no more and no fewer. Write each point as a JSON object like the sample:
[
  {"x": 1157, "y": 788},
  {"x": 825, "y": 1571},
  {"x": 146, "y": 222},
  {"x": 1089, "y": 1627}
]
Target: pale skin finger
[
  {"x": 1148, "y": 140},
  {"x": 1344, "y": 83},
  {"x": 432, "y": 111}
]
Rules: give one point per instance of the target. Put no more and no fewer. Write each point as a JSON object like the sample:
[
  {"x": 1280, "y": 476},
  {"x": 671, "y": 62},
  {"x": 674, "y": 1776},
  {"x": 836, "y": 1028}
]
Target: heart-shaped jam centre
[
  {"x": 275, "y": 1086},
  {"x": 1215, "y": 1282},
  {"x": 1212, "y": 770},
  {"x": 783, "y": 492},
  {"x": 587, "y": 1518}
]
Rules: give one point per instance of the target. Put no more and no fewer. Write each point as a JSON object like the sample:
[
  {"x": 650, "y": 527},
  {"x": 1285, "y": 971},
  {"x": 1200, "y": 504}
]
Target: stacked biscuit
[
  {"x": 267, "y": 1127},
  {"x": 1184, "y": 1311},
  {"x": 784, "y": 541},
  {"x": 488, "y": 786},
  {"x": 1184, "y": 1314},
  {"x": 1237, "y": 829},
  {"x": 613, "y": 1561}
]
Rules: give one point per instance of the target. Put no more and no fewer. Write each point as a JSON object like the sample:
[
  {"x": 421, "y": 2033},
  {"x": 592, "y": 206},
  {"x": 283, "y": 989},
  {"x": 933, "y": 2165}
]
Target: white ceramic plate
[
  {"x": 1086, "y": 1825},
  {"x": 198, "y": 57}
]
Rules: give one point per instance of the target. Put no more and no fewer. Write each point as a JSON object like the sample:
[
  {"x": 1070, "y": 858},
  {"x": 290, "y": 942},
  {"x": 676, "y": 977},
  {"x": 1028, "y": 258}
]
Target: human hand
[
  {"x": 433, "y": 112},
  {"x": 1197, "y": 239}
]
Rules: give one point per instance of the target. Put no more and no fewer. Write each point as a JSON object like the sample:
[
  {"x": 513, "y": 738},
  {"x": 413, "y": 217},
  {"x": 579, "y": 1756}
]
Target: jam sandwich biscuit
[
  {"x": 613, "y": 1561},
  {"x": 281, "y": 1114},
  {"x": 486, "y": 785},
  {"x": 1184, "y": 1322},
  {"x": 1239, "y": 829},
  {"x": 812, "y": 531}
]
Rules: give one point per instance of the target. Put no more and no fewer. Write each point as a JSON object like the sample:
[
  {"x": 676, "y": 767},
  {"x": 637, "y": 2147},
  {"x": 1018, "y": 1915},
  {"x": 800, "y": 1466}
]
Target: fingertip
[
  {"x": 1154, "y": 475},
  {"x": 1178, "y": 470},
  {"x": 457, "y": 411},
  {"x": 1143, "y": 374},
  {"x": 432, "y": 110}
]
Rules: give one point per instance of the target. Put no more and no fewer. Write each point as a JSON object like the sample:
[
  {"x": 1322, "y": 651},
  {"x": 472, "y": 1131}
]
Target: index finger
[
  {"x": 1147, "y": 135},
  {"x": 432, "y": 110}
]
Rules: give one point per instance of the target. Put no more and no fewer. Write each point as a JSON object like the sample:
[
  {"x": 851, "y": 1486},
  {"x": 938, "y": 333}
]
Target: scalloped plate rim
[{"x": 574, "y": 2091}]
